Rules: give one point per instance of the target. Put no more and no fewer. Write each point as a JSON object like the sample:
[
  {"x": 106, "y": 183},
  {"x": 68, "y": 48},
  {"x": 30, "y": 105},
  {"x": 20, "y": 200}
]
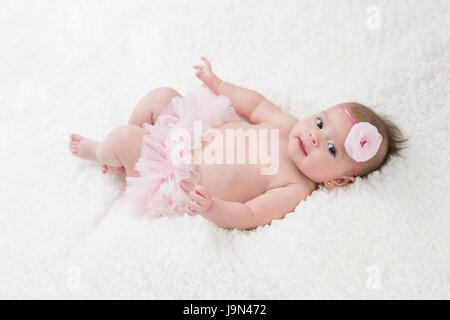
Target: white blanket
[{"x": 81, "y": 66}]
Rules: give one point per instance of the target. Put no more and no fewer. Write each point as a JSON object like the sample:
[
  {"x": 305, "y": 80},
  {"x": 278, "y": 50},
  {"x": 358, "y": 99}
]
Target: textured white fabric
[{"x": 81, "y": 66}]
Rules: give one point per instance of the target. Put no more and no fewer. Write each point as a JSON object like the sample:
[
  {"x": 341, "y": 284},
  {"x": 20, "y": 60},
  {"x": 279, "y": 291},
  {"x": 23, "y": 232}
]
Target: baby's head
[{"x": 317, "y": 144}]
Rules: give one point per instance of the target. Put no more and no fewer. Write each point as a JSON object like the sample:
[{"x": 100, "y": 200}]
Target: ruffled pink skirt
[{"x": 164, "y": 185}]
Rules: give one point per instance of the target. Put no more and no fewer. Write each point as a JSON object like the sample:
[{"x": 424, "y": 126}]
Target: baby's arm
[
  {"x": 243, "y": 100},
  {"x": 248, "y": 103},
  {"x": 261, "y": 210}
]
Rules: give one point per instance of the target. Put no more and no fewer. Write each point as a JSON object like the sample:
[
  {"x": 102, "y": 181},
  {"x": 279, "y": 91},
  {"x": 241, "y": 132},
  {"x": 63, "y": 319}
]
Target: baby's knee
[
  {"x": 127, "y": 135},
  {"x": 164, "y": 93}
]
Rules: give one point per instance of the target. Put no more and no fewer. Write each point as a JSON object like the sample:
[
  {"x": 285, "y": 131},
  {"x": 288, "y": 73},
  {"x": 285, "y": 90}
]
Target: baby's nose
[{"x": 314, "y": 139}]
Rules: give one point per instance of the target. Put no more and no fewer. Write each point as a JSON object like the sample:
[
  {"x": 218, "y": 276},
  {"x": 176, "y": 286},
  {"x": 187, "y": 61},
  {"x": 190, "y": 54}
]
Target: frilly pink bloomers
[{"x": 164, "y": 185}]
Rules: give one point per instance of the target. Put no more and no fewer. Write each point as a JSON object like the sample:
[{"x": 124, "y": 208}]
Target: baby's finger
[
  {"x": 190, "y": 206},
  {"x": 198, "y": 67},
  {"x": 194, "y": 207},
  {"x": 191, "y": 212},
  {"x": 202, "y": 191},
  {"x": 194, "y": 204},
  {"x": 196, "y": 197},
  {"x": 207, "y": 62}
]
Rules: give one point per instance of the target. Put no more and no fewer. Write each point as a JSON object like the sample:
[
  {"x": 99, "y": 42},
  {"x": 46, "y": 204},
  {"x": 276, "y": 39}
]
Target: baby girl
[{"x": 330, "y": 148}]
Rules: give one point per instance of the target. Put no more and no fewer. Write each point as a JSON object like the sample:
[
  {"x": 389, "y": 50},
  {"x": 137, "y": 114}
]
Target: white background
[{"x": 81, "y": 66}]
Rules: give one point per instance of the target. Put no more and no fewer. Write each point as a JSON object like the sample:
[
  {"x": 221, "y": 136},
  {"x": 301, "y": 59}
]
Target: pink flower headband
[{"x": 362, "y": 142}]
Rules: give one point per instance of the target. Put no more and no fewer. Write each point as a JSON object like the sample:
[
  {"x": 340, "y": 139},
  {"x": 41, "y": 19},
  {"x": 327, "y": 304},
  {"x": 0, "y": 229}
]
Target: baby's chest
[{"x": 239, "y": 163}]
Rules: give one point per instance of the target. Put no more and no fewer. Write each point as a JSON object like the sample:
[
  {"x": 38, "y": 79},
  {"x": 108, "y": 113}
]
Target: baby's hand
[
  {"x": 201, "y": 201},
  {"x": 208, "y": 77}
]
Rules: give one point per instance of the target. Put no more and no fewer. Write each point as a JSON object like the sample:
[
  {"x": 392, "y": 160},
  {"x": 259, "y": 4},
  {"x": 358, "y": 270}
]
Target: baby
[{"x": 167, "y": 175}]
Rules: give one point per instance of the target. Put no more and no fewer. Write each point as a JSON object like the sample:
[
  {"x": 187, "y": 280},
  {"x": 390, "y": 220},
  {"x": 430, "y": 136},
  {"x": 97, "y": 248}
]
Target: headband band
[{"x": 348, "y": 114}]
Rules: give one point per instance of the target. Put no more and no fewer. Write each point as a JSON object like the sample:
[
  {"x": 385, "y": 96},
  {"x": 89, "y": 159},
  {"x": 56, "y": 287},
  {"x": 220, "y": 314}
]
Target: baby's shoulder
[
  {"x": 282, "y": 121},
  {"x": 287, "y": 197},
  {"x": 298, "y": 188},
  {"x": 296, "y": 180},
  {"x": 302, "y": 188}
]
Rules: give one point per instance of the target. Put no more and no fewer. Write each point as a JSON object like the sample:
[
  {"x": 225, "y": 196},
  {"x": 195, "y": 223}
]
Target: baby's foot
[
  {"x": 83, "y": 147},
  {"x": 106, "y": 168}
]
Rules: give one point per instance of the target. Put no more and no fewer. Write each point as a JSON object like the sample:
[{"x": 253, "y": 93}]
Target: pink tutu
[{"x": 163, "y": 187}]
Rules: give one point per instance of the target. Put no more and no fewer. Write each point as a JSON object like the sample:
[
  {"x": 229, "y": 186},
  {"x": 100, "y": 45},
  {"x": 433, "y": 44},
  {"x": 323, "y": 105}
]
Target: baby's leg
[
  {"x": 147, "y": 110},
  {"x": 121, "y": 148},
  {"x": 149, "y": 107}
]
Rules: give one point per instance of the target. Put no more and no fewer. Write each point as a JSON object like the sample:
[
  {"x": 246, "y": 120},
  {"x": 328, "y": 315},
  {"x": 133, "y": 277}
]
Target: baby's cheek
[
  {"x": 316, "y": 168},
  {"x": 322, "y": 164}
]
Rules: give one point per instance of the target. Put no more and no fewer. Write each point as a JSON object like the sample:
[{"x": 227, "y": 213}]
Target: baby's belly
[
  {"x": 233, "y": 182},
  {"x": 223, "y": 174}
]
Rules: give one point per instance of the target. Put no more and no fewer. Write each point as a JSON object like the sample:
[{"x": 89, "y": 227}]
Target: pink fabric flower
[{"x": 363, "y": 141}]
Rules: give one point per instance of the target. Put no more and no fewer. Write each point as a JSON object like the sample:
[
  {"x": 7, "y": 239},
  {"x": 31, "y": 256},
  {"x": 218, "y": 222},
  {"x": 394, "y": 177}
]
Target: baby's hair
[{"x": 388, "y": 130}]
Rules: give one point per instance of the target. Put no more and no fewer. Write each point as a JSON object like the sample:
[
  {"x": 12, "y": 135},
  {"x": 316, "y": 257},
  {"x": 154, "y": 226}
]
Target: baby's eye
[
  {"x": 332, "y": 149},
  {"x": 319, "y": 123}
]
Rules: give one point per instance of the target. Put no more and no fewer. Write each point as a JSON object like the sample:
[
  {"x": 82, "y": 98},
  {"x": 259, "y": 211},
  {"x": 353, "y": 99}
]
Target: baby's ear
[{"x": 339, "y": 182}]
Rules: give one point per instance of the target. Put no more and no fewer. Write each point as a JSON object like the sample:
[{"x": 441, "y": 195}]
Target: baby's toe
[
  {"x": 75, "y": 137},
  {"x": 73, "y": 146},
  {"x": 116, "y": 170}
]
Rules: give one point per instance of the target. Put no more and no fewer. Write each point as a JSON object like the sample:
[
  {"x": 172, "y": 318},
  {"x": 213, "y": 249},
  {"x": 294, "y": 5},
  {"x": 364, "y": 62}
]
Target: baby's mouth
[{"x": 301, "y": 147}]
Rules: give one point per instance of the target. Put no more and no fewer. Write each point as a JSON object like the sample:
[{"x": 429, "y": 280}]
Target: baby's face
[{"x": 316, "y": 146}]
